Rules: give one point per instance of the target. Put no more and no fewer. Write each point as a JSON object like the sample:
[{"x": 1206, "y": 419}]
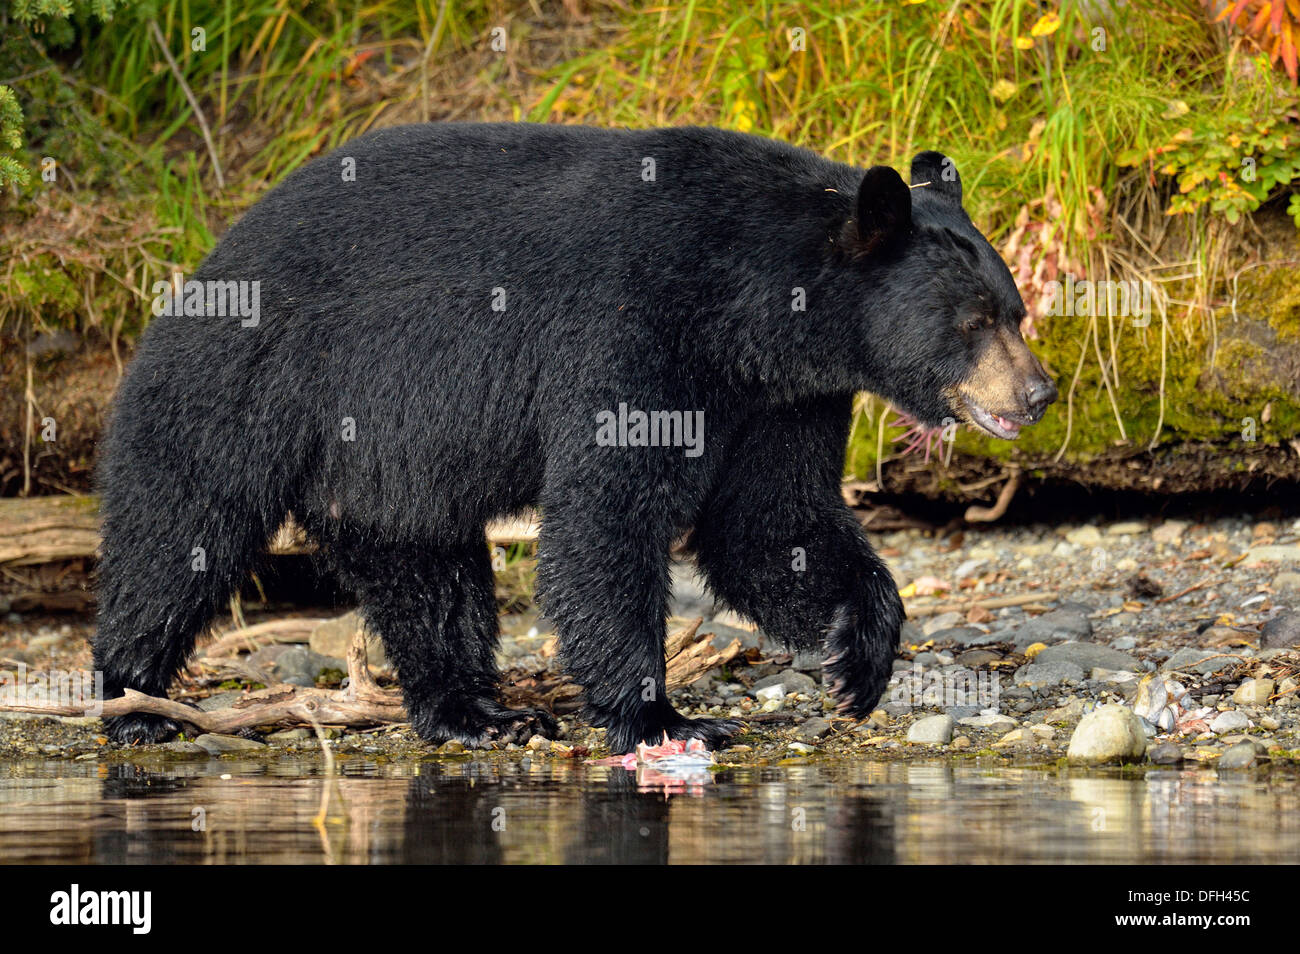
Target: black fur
[{"x": 672, "y": 294}]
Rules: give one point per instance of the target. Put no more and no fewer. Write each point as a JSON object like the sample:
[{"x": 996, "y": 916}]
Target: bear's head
[{"x": 933, "y": 288}]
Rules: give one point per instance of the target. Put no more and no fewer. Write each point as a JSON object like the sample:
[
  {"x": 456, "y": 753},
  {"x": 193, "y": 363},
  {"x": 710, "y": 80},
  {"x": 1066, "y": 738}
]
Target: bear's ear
[
  {"x": 938, "y": 174},
  {"x": 884, "y": 210}
]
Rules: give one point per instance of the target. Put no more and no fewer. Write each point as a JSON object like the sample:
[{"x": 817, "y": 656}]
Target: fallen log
[
  {"x": 37, "y": 530},
  {"x": 362, "y": 702}
]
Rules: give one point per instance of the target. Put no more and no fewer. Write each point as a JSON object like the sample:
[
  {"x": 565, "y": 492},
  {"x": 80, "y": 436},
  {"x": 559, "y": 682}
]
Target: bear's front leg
[
  {"x": 603, "y": 579},
  {"x": 777, "y": 544}
]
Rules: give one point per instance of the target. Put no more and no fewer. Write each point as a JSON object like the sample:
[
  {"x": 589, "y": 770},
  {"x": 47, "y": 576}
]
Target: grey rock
[
  {"x": 965, "y": 636},
  {"x": 690, "y": 597},
  {"x": 790, "y": 681},
  {"x": 943, "y": 621},
  {"x": 1048, "y": 674},
  {"x": 911, "y": 633},
  {"x": 1282, "y": 631},
  {"x": 1230, "y": 721},
  {"x": 215, "y": 744},
  {"x": 43, "y": 642},
  {"x": 1166, "y": 753},
  {"x": 977, "y": 657},
  {"x": 812, "y": 729},
  {"x": 991, "y": 720},
  {"x": 1124, "y": 642},
  {"x": 333, "y": 638},
  {"x": 933, "y": 730},
  {"x": 219, "y": 700},
  {"x": 1054, "y": 627},
  {"x": 295, "y": 665},
  {"x": 1087, "y": 656},
  {"x": 1239, "y": 756},
  {"x": 724, "y": 634},
  {"x": 1288, "y": 581},
  {"x": 1201, "y": 661},
  {"x": 185, "y": 748}
]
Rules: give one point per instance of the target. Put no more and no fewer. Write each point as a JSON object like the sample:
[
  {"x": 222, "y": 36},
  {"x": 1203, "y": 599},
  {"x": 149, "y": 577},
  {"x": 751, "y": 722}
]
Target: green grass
[{"x": 1039, "y": 125}]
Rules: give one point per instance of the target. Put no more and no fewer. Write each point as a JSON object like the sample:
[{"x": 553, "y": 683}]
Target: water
[{"x": 483, "y": 811}]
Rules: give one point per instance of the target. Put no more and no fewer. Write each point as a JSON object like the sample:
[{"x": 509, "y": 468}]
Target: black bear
[{"x": 643, "y": 333}]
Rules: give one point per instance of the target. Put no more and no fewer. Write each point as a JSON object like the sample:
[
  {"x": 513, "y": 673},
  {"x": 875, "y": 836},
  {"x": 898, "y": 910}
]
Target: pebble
[
  {"x": 1087, "y": 656},
  {"x": 936, "y": 729},
  {"x": 333, "y": 638},
  {"x": 1288, "y": 581},
  {"x": 965, "y": 636},
  {"x": 1282, "y": 631},
  {"x": 1239, "y": 756},
  {"x": 1171, "y": 531},
  {"x": 1126, "y": 528},
  {"x": 1273, "y": 553},
  {"x": 1253, "y": 692},
  {"x": 1085, "y": 536},
  {"x": 1048, "y": 674},
  {"x": 990, "y": 720},
  {"x": 942, "y": 621},
  {"x": 1166, "y": 753},
  {"x": 1107, "y": 734},
  {"x": 973, "y": 658},
  {"x": 1201, "y": 661},
  {"x": 1066, "y": 713},
  {"x": 217, "y": 744},
  {"x": 812, "y": 729},
  {"x": 789, "y": 681},
  {"x": 185, "y": 748},
  {"x": 1230, "y": 721},
  {"x": 1054, "y": 627}
]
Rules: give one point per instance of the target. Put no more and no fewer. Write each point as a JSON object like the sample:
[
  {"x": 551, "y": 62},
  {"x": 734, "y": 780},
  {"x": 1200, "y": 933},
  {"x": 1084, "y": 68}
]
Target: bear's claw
[
  {"x": 140, "y": 728},
  {"x": 492, "y": 722}
]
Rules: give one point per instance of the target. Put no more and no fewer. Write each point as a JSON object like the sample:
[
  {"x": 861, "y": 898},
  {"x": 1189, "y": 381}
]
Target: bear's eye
[{"x": 973, "y": 324}]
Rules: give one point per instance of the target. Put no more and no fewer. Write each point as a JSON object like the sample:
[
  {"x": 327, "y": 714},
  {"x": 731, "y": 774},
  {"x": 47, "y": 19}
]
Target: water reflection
[{"x": 485, "y": 812}]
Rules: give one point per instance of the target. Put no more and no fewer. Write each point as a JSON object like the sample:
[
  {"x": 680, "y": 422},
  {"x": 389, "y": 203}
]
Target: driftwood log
[{"x": 362, "y": 702}]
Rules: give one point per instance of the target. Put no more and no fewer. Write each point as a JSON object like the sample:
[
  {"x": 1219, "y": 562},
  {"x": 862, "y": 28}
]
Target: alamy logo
[
  {"x": 1086, "y": 298},
  {"x": 74, "y": 906},
  {"x": 209, "y": 299},
  {"x": 75, "y": 689},
  {"x": 634, "y": 428}
]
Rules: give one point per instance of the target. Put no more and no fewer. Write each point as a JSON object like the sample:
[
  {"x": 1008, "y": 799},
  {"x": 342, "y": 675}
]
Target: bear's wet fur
[{"x": 441, "y": 334}]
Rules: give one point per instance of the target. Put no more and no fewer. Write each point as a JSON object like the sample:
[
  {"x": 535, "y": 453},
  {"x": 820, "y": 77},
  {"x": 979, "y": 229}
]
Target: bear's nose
[{"x": 1040, "y": 394}]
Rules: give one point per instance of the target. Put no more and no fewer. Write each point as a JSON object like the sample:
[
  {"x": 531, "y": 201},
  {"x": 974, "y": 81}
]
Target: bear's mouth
[{"x": 995, "y": 424}]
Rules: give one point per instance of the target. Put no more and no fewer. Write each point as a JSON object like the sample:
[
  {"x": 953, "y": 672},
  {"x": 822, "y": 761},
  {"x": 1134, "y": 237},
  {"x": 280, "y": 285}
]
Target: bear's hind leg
[
  {"x": 169, "y": 561},
  {"x": 435, "y": 610}
]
